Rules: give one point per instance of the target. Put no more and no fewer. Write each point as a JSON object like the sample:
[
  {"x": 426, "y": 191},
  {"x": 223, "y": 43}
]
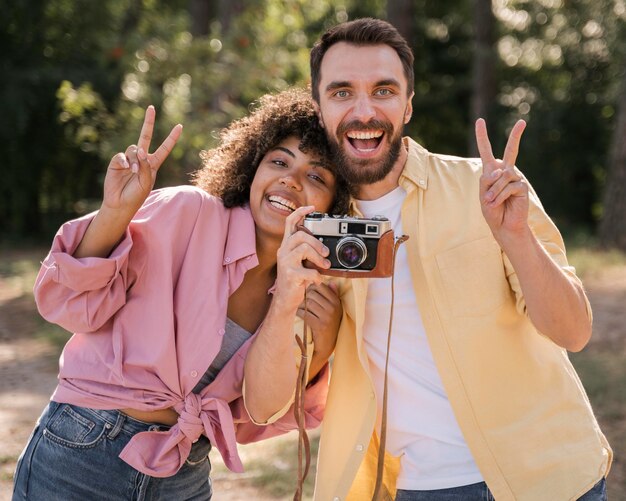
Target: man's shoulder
[{"x": 442, "y": 163}]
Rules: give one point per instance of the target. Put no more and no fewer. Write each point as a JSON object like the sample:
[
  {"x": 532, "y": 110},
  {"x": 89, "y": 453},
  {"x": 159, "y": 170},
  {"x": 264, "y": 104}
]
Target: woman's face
[{"x": 287, "y": 179}]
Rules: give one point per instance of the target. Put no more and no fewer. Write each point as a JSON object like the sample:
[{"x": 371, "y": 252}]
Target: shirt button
[
  {"x": 359, "y": 447},
  {"x": 221, "y": 332},
  {"x": 194, "y": 373},
  {"x": 336, "y": 498},
  {"x": 227, "y": 259},
  {"x": 421, "y": 182}
]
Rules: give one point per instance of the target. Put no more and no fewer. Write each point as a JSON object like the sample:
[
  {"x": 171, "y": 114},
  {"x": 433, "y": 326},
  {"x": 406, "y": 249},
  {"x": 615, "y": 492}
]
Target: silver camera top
[{"x": 320, "y": 224}]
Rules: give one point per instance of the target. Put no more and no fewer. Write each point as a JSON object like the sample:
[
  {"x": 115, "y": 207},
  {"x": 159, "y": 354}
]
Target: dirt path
[{"x": 28, "y": 368}]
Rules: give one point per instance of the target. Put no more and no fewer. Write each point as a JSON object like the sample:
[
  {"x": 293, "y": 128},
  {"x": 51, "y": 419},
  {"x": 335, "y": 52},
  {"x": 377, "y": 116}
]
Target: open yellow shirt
[{"x": 520, "y": 405}]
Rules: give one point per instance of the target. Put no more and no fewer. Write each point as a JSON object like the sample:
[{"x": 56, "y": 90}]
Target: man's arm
[{"x": 556, "y": 304}]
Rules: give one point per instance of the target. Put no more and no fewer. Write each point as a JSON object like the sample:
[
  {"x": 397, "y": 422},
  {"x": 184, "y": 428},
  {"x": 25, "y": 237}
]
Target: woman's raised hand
[
  {"x": 129, "y": 179},
  {"x": 131, "y": 175}
]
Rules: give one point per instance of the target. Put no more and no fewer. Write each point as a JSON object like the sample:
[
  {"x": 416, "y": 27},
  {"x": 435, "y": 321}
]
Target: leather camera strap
[
  {"x": 304, "y": 448},
  {"x": 378, "y": 494}
]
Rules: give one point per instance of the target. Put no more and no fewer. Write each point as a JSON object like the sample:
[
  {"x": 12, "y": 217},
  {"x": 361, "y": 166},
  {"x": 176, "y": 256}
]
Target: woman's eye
[
  {"x": 280, "y": 163},
  {"x": 318, "y": 179}
]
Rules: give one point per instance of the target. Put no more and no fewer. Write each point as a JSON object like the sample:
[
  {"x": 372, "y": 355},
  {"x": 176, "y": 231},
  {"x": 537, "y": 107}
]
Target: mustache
[{"x": 374, "y": 124}]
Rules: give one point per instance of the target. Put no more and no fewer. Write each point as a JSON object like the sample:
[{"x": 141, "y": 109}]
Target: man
[{"x": 482, "y": 399}]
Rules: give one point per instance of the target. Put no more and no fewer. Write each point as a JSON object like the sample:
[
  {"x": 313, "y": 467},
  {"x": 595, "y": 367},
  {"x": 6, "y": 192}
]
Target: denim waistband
[{"x": 117, "y": 420}]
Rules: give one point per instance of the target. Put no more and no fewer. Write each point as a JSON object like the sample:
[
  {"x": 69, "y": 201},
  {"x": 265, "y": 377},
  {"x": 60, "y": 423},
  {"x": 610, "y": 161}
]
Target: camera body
[{"x": 359, "y": 247}]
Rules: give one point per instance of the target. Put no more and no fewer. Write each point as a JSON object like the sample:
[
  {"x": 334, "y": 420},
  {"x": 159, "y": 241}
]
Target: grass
[{"x": 271, "y": 465}]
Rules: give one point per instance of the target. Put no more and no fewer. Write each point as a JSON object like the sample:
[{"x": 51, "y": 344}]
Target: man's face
[{"x": 363, "y": 107}]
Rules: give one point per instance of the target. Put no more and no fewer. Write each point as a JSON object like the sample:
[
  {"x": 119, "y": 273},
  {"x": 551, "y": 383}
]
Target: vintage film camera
[{"x": 359, "y": 247}]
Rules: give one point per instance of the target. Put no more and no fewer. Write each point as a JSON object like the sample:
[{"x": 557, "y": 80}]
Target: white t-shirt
[{"x": 421, "y": 427}]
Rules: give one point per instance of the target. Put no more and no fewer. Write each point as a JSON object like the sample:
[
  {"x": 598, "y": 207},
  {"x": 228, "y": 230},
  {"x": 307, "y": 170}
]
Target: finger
[
  {"x": 131, "y": 157},
  {"x": 324, "y": 295},
  {"x": 145, "y": 170},
  {"x": 119, "y": 162},
  {"x": 307, "y": 252},
  {"x": 506, "y": 177},
  {"x": 302, "y": 237},
  {"x": 483, "y": 143},
  {"x": 512, "y": 145},
  {"x": 293, "y": 220},
  {"x": 518, "y": 189},
  {"x": 487, "y": 181},
  {"x": 162, "y": 152},
  {"x": 145, "y": 136}
]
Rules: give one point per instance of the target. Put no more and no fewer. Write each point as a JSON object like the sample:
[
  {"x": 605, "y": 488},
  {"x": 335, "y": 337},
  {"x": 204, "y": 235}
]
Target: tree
[
  {"x": 613, "y": 225},
  {"x": 483, "y": 68}
]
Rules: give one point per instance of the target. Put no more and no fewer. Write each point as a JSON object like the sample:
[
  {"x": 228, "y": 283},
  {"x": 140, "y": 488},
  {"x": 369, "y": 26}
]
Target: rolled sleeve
[{"x": 81, "y": 294}]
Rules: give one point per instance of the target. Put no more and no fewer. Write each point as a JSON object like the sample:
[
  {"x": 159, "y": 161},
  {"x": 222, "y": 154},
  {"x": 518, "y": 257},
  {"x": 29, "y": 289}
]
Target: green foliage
[{"x": 76, "y": 76}]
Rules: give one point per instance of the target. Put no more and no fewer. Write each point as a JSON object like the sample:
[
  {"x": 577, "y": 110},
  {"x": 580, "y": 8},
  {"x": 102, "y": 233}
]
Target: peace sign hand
[
  {"x": 131, "y": 175},
  {"x": 503, "y": 188}
]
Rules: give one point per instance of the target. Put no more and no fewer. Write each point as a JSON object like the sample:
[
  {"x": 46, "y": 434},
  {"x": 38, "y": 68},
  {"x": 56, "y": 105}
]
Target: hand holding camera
[{"x": 359, "y": 247}]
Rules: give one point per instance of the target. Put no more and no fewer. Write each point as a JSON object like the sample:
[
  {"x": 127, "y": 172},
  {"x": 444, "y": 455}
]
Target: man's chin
[{"x": 359, "y": 170}]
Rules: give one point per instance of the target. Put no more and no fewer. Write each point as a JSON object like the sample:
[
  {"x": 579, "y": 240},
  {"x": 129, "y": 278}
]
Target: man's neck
[{"x": 379, "y": 189}]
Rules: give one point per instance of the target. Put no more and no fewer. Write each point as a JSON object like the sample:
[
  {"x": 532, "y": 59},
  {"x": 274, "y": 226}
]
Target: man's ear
[
  {"x": 318, "y": 111},
  {"x": 408, "y": 111}
]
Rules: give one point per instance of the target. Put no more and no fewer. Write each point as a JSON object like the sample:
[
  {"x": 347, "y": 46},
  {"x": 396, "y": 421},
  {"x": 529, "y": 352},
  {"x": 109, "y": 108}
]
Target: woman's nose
[{"x": 291, "y": 182}]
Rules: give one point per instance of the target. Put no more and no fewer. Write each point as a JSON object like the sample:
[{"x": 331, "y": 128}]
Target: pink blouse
[{"x": 149, "y": 320}]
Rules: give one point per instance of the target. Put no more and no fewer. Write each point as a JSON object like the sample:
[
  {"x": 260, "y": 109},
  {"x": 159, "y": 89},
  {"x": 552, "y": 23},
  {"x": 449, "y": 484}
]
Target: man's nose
[{"x": 363, "y": 109}]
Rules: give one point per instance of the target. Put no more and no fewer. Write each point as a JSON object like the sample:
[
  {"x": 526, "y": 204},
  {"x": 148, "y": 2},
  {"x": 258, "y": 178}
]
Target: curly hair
[{"x": 228, "y": 170}]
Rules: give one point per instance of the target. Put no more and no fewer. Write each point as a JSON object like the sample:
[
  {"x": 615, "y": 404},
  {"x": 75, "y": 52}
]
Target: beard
[{"x": 358, "y": 171}]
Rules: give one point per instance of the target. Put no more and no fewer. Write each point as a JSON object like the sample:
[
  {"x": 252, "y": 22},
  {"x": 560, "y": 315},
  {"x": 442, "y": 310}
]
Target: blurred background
[{"x": 77, "y": 75}]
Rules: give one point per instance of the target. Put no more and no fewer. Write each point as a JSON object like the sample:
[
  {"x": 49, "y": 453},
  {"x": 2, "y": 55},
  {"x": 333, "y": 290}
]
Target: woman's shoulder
[{"x": 182, "y": 199}]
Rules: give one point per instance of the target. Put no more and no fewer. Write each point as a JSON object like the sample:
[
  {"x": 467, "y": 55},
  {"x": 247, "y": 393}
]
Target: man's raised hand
[
  {"x": 503, "y": 189},
  {"x": 131, "y": 175}
]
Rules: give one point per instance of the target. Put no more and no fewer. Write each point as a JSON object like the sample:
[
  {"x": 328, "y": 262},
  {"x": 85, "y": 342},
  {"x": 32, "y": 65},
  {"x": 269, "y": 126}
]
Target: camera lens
[{"x": 351, "y": 252}]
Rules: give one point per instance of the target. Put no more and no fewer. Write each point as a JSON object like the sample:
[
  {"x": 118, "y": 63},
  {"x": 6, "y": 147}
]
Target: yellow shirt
[{"x": 518, "y": 401}]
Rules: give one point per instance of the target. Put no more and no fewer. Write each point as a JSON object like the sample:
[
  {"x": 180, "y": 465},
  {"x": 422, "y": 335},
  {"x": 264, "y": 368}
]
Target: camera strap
[
  {"x": 378, "y": 494},
  {"x": 304, "y": 447}
]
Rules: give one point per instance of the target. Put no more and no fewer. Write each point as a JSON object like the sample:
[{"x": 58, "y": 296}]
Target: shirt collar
[
  {"x": 414, "y": 174},
  {"x": 241, "y": 238}
]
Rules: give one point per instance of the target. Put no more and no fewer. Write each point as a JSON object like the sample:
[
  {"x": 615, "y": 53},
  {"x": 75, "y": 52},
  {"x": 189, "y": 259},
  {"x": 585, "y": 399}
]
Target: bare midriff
[{"x": 167, "y": 417}]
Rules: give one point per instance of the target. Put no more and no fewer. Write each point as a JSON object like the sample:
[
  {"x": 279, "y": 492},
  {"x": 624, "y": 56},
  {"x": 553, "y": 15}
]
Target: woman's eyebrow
[{"x": 286, "y": 150}]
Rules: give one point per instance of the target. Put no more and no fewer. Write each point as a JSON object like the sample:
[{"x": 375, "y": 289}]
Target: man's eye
[
  {"x": 383, "y": 92},
  {"x": 341, "y": 93}
]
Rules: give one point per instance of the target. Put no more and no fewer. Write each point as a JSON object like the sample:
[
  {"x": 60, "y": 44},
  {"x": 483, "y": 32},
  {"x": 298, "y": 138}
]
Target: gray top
[{"x": 234, "y": 337}]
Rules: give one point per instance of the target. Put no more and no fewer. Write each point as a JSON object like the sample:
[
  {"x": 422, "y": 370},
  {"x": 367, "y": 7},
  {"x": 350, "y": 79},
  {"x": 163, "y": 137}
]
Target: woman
[{"x": 166, "y": 291}]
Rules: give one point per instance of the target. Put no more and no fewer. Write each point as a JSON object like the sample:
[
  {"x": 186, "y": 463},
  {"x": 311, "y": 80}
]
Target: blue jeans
[
  {"x": 480, "y": 492},
  {"x": 73, "y": 452}
]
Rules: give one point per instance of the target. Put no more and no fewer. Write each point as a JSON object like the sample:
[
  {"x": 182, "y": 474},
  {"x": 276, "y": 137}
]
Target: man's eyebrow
[
  {"x": 286, "y": 150},
  {"x": 338, "y": 85},
  {"x": 345, "y": 83},
  {"x": 388, "y": 82}
]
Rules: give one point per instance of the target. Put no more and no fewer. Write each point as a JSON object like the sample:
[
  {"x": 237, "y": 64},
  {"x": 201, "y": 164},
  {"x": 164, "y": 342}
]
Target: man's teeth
[
  {"x": 369, "y": 134},
  {"x": 282, "y": 203}
]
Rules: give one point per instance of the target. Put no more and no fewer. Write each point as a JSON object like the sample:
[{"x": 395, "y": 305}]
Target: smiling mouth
[
  {"x": 281, "y": 203},
  {"x": 365, "y": 141}
]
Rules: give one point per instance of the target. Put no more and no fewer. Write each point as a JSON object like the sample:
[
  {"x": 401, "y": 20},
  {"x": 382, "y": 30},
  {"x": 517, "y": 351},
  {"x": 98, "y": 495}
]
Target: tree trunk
[
  {"x": 201, "y": 13},
  {"x": 400, "y": 13},
  {"x": 483, "y": 68},
  {"x": 613, "y": 225}
]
